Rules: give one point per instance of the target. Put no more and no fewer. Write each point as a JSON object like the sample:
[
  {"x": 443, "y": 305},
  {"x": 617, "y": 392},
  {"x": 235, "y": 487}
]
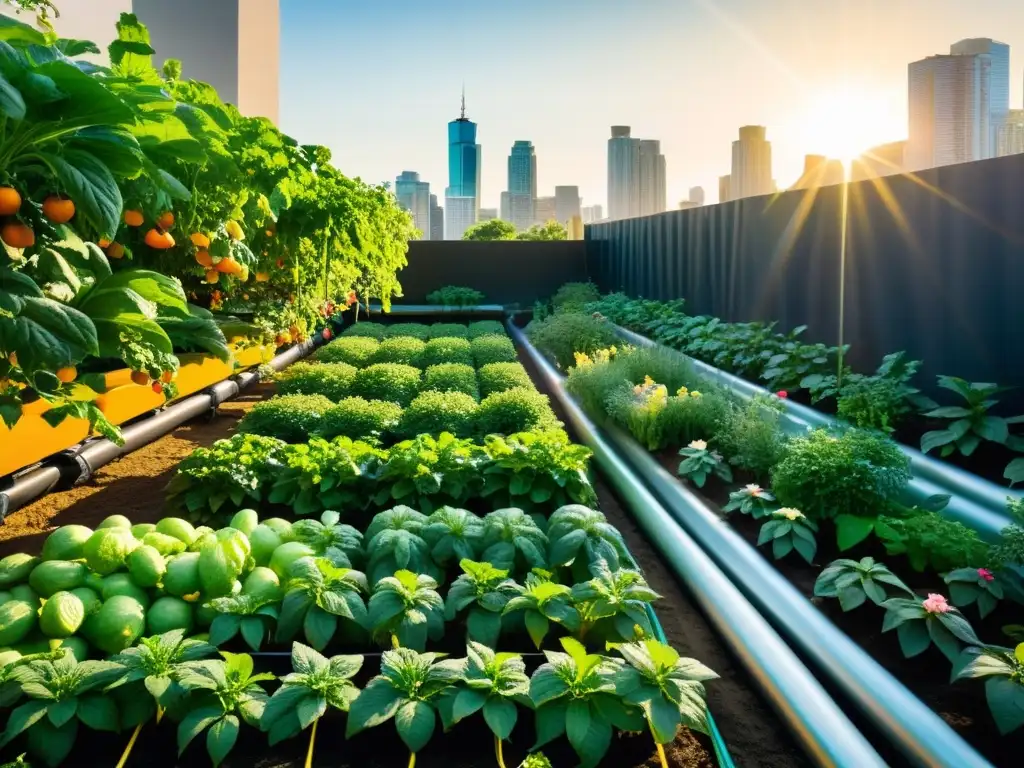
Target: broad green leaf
[
  {"x": 12, "y": 104},
  {"x": 310, "y": 708},
  {"x": 376, "y": 704},
  {"x": 936, "y": 439},
  {"x": 93, "y": 188},
  {"x": 319, "y": 627},
  {"x": 550, "y": 723},
  {"x": 161, "y": 290},
  {"x": 467, "y": 702},
  {"x": 852, "y": 530},
  {"x": 25, "y": 716},
  {"x": 664, "y": 719},
  {"x": 224, "y": 627},
  {"x": 221, "y": 738},
  {"x": 196, "y": 333},
  {"x": 253, "y": 631},
  {"x": 98, "y": 712},
  {"x": 500, "y": 715},
  {"x": 61, "y": 711},
  {"x": 194, "y": 723},
  {"x": 116, "y": 148},
  {"x": 537, "y": 625},
  {"x": 14, "y": 31},
  {"x": 914, "y": 638},
  {"x": 46, "y": 334},
  {"x": 484, "y": 626},
  {"x": 415, "y": 721},
  {"x": 1006, "y": 702},
  {"x": 52, "y": 744}
]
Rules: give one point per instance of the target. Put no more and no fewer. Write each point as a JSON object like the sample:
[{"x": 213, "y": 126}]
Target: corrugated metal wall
[{"x": 935, "y": 265}]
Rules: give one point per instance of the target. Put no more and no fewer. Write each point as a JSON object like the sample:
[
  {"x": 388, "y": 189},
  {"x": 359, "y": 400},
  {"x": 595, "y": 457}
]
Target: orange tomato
[
  {"x": 133, "y": 218},
  {"x": 204, "y": 258},
  {"x": 167, "y": 376},
  {"x": 10, "y": 201},
  {"x": 58, "y": 209},
  {"x": 67, "y": 374},
  {"x": 212, "y": 276},
  {"x": 157, "y": 387},
  {"x": 228, "y": 266},
  {"x": 161, "y": 241},
  {"x": 166, "y": 220},
  {"x": 262, "y": 277},
  {"x": 17, "y": 235},
  {"x": 140, "y": 377},
  {"x": 13, "y": 359},
  {"x": 115, "y": 251},
  {"x": 199, "y": 240},
  {"x": 103, "y": 242}
]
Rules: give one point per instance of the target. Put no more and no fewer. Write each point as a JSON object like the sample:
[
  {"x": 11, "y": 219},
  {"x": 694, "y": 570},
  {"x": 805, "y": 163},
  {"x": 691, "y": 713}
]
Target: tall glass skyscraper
[
  {"x": 522, "y": 184},
  {"x": 999, "y": 82},
  {"x": 462, "y": 197},
  {"x": 414, "y": 196}
]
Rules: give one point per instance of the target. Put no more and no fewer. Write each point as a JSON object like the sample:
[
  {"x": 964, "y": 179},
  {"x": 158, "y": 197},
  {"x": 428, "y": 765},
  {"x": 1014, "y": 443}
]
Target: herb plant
[
  {"x": 393, "y": 382},
  {"x": 584, "y": 537},
  {"x": 919, "y": 623},
  {"x": 975, "y": 586},
  {"x": 699, "y": 462},
  {"x": 931, "y": 541},
  {"x": 493, "y": 349},
  {"x": 321, "y": 475},
  {"x": 448, "y": 349},
  {"x": 485, "y": 591},
  {"x": 613, "y": 604},
  {"x": 432, "y": 413},
  {"x": 530, "y": 469},
  {"x": 429, "y": 472},
  {"x": 453, "y": 535},
  {"x": 542, "y": 601},
  {"x": 751, "y": 500},
  {"x": 357, "y": 351},
  {"x": 970, "y": 423},
  {"x": 332, "y": 380},
  {"x": 455, "y": 296},
  {"x": 327, "y": 537},
  {"x": 788, "y": 530},
  {"x": 499, "y": 377},
  {"x": 1003, "y": 670},
  {"x": 254, "y": 616},
  {"x": 447, "y": 330},
  {"x": 292, "y": 418},
  {"x": 405, "y": 609},
  {"x": 513, "y": 542},
  {"x": 317, "y": 595},
  {"x": 451, "y": 377},
  {"x": 360, "y": 419},
  {"x": 485, "y": 328},
  {"x": 401, "y": 350},
  {"x": 514, "y": 410},
  {"x": 396, "y": 544},
  {"x": 562, "y": 335},
  {"x": 853, "y": 582},
  {"x": 415, "y": 330}
]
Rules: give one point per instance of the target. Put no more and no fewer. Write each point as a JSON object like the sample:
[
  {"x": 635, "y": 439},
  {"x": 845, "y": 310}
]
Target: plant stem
[
  {"x": 312, "y": 736},
  {"x": 498, "y": 753},
  {"x": 128, "y": 749},
  {"x": 412, "y": 760},
  {"x": 661, "y": 749}
]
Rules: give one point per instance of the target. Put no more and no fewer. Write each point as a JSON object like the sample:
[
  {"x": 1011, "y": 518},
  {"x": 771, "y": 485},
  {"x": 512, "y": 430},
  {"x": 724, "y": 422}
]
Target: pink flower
[
  {"x": 782, "y": 393},
  {"x": 986, "y": 574},
  {"x": 327, "y": 333},
  {"x": 935, "y": 604}
]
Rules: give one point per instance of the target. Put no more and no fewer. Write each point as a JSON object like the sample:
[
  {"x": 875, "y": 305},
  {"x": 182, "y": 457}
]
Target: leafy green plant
[
  {"x": 573, "y": 297},
  {"x": 613, "y": 604},
  {"x": 513, "y": 541},
  {"x": 583, "y": 537},
  {"x": 395, "y": 544},
  {"x": 970, "y": 423},
  {"x": 451, "y": 377},
  {"x": 447, "y": 349},
  {"x": 223, "y": 692},
  {"x": 365, "y": 330},
  {"x": 327, "y": 537},
  {"x": 61, "y": 692},
  {"x": 415, "y": 330},
  {"x": 1010, "y": 550},
  {"x": 429, "y": 472},
  {"x": 931, "y": 541},
  {"x": 408, "y": 689},
  {"x": 432, "y": 413},
  {"x": 852, "y": 582},
  {"x": 788, "y": 530},
  {"x": 543, "y": 601},
  {"x": 315, "y": 685},
  {"x": 499, "y": 377},
  {"x": 493, "y": 684},
  {"x": 532, "y": 469},
  {"x": 455, "y": 296},
  {"x": 485, "y": 328},
  {"x": 668, "y": 688},
  {"x": 292, "y": 418},
  {"x": 485, "y": 591},
  {"x": 493, "y": 349},
  {"x": 388, "y": 381},
  {"x": 975, "y": 586},
  {"x": 317, "y": 595},
  {"x": 332, "y": 380},
  {"x": 361, "y": 419},
  {"x": 751, "y": 437},
  {"x": 919, "y": 623},
  {"x": 1003, "y": 669},
  {"x": 321, "y": 475},
  {"x": 402, "y": 350},
  {"x": 448, "y": 330},
  {"x": 357, "y": 351},
  {"x": 514, "y": 410},
  {"x": 254, "y": 616},
  {"x": 880, "y": 401},
  {"x": 453, "y": 535},
  {"x": 699, "y": 462},
  {"x": 405, "y": 610},
  {"x": 751, "y": 500},
  {"x": 561, "y": 336}
]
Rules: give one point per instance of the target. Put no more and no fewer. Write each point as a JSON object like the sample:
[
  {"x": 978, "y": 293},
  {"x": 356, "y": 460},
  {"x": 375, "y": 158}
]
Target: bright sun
[{"x": 844, "y": 122}]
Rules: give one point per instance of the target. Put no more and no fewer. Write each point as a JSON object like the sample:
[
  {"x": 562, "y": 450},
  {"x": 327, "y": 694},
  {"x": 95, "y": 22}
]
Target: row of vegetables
[
  {"x": 142, "y": 217},
  {"x": 846, "y": 483},
  {"x": 540, "y": 569}
]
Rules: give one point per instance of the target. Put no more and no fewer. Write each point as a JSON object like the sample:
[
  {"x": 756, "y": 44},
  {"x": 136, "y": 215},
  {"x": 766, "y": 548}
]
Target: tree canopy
[
  {"x": 495, "y": 229},
  {"x": 553, "y": 230}
]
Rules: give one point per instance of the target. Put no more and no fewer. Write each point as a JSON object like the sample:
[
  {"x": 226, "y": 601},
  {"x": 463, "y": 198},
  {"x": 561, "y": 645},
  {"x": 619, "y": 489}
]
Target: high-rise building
[
  {"x": 724, "y": 188},
  {"x": 999, "y": 81},
  {"x": 1011, "y": 134},
  {"x": 567, "y": 203},
  {"x": 696, "y": 195},
  {"x": 819, "y": 171},
  {"x": 950, "y": 110},
  {"x": 505, "y": 209},
  {"x": 488, "y": 214},
  {"x": 544, "y": 209},
  {"x": 591, "y": 214},
  {"x": 462, "y": 196},
  {"x": 436, "y": 219},
  {"x": 623, "y": 174},
  {"x": 883, "y": 160},
  {"x": 522, "y": 184},
  {"x": 233, "y": 45},
  {"x": 751, "y": 164},
  {"x": 414, "y": 196},
  {"x": 652, "y": 177}
]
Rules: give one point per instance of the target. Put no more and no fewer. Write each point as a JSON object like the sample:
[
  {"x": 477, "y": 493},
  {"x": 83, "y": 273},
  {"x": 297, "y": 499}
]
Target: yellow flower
[
  {"x": 695, "y": 393},
  {"x": 789, "y": 513},
  {"x": 582, "y": 358},
  {"x": 698, "y": 445},
  {"x": 681, "y": 392},
  {"x": 613, "y": 350}
]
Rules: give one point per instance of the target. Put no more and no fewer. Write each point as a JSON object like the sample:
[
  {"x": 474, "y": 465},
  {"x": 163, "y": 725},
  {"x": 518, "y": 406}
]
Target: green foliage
[
  {"x": 613, "y": 604},
  {"x": 485, "y": 591},
  {"x": 371, "y": 420},
  {"x": 919, "y": 623},
  {"x": 513, "y": 541},
  {"x": 970, "y": 423},
  {"x": 405, "y": 610},
  {"x": 367, "y": 330},
  {"x": 543, "y": 602},
  {"x": 561, "y": 336},
  {"x": 430, "y": 472},
  {"x": 852, "y": 582},
  {"x": 789, "y": 530},
  {"x": 405, "y": 350},
  {"x": 455, "y": 296},
  {"x": 552, "y": 230},
  {"x": 882, "y": 400},
  {"x": 498, "y": 377},
  {"x": 495, "y": 229},
  {"x": 493, "y": 349},
  {"x": 327, "y": 537},
  {"x": 321, "y": 475},
  {"x": 432, "y": 413},
  {"x": 1003, "y": 669},
  {"x": 583, "y": 537},
  {"x": 485, "y": 328},
  {"x": 254, "y": 616},
  {"x": 854, "y": 473},
  {"x": 514, "y": 410},
  {"x": 975, "y": 586},
  {"x": 699, "y": 463},
  {"x": 388, "y": 381},
  {"x": 751, "y": 437},
  {"x": 453, "y": 535},
  {"x": 446, "y": 349},
  {"x": 537, "y": 469},
  {"x": 292, "y": 418},
  {"x": 318, "y": 597},
  {"x": 395, "y": 544},
  {"x": 451, "y": 377},
  {"x": 415, "y": 330},
  {"x": 574, "y": 297},
  {"x": 751, "y": 500},
  {"x": 332, "y": 380},
  {"x": 932, "y": 542},
  {"x": 357, "y": 351},
  {"x": 448, "y": 330},
  {"x": 1010, "y": 549}
]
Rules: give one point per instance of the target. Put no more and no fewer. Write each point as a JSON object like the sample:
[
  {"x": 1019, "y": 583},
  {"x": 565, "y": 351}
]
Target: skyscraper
[
  {"x": 950, "y": 110},
  {"x": 462, "y": 197},
  {"x": 522, "y": 184},
  {"x": 999, "y": 80},
  {"x": 436, "y": 219},
  {"x": 724, "y": 188},
  {"x": 652, "y": 177},
  {"x": 696, "y": 195},
  {"x": 819, "y": 171},
  {"x": 623, "y": 174},
  {"x": 1011, "y": 134},
  {"x": 751, "y": 164},
  {"x": 567, "y": 203},
  {"x": 591, "y": 214},
  {"x": 544, "y": 210},
  {"x": 414, "y": 196}
]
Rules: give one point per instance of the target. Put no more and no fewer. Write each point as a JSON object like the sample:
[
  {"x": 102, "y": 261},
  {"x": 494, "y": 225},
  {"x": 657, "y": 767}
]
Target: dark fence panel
[
  {"x": 934, "y": 265},
  {"x": 507, "y": 272}
]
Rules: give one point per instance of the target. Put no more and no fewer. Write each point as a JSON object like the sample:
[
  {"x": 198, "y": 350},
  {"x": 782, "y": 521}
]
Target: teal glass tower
[{"x": 462, "y": 206}]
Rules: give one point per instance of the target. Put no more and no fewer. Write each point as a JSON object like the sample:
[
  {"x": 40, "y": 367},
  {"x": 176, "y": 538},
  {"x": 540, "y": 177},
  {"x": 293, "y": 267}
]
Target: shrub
[
  {"x": 405, "y": 350},
  {"x": 446, "y": 350},
  {"x": 444, "y": 330},
  {"x": 933, "y": 542},
  {"x": 825, "y": 475},
  {"x": 573, "y": 297},
  {"x": 493, "y": 349},
  {"x": 668, "y": 420},
  {"x": 291, "y": 418},
  {"x": 485, "y": 328},
  {"x": 497, "y": 377},
  {"x": 329, "y": 379},
  {"x": 416, "y": 330},
  {"x": 455, "y": 296},
  {"x": 354, "y": 350},
  {"x": 432, "y": 413},
  {"x": 361, "y": 419},
  {"x": 393, "y": 382},
  {"x": 366, "y": 330},
  {"x": 560, "y": 337},
  {"x": 514, "y": 410},
  {"x": 451, "y": 377},
  {"x": 751, "y": 436}
]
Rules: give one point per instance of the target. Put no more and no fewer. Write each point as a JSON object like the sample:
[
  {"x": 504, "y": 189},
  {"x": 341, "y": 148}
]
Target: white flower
[
  {"x": 753, "y": 489},
  {"x": 698, "y": 445},
  {"x": 789, "y": 513}
]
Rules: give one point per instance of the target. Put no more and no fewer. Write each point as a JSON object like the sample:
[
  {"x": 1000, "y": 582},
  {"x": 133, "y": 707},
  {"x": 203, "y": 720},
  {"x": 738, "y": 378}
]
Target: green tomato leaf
[
  {"x": 376, "y": 704},
  {"x": 93, "y": 188},
  {"x": 500, "y": 715},
  {"x": 194, "y": 723},
  {"x": 415, "y": 721},
  {"x": 221, "y": 738}
]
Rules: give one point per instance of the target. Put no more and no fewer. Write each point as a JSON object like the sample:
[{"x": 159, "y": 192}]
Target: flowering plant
[
  {"x": 975, "y": 585},
  {"x": 852, "y": 582},
  {"x": 648, "y": 401},
  {"x": 699, "y": 462},
  {"x": 789, "y": 529},
  {"x": 919, "y": 623},
  {"x": 752, "y": 500},
  {"x": 1004, "y": 688}
]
